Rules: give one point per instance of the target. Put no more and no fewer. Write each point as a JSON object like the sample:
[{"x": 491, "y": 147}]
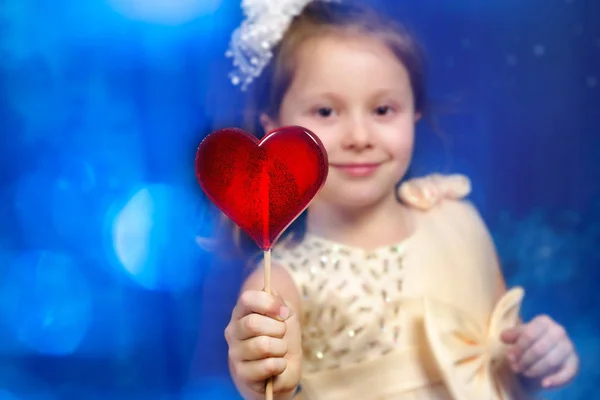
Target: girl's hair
[{"x": 318, "y": 19}]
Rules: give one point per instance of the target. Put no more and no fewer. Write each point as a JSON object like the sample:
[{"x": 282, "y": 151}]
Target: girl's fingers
[
  {"x": 550, "y": 362},
  {"x": 564, "y": 375}
]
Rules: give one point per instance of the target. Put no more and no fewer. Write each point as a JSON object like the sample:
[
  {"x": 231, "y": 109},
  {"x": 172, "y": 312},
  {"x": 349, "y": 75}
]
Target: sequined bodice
[{"x": 350, "y": 307}]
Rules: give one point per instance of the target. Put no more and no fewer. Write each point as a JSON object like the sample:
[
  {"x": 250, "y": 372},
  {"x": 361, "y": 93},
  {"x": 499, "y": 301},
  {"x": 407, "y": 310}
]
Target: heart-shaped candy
[{"x": 263, "y": 186}]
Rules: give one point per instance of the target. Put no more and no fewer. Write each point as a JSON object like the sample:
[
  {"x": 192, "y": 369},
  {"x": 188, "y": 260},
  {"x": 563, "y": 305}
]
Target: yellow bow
[{"x": 470, "y": 355}]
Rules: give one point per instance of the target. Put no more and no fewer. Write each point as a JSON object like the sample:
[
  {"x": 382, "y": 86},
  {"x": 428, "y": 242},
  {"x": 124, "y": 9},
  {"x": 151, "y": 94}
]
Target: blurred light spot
[
  {"x": 74, "y": 208},
  {"x": 60, "y": 205},
  {"x": 33, "y": 207},
  {"x": 539, "y": 50},
  {"x": 154, "y": 238},
  {"x": 5, "y": 395},
  {"x": 466, "y": 43},
  {"x": 592, "y": 81},
  {"x": 511, "y": 60},
  {"x": 45, "y": 302},
  {"x": 9, "y": 346},
  {"x": 169, "y": 12}
]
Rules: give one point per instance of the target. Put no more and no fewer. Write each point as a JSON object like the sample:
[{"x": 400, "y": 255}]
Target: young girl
[{"x": 383, "y": 291}]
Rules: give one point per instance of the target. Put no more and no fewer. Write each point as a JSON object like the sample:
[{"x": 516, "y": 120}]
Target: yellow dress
[{"x": 417, "y": 320}]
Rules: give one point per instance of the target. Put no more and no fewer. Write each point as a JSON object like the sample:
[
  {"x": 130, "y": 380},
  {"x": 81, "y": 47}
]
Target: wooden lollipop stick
[{"x": 267, "y": 256}]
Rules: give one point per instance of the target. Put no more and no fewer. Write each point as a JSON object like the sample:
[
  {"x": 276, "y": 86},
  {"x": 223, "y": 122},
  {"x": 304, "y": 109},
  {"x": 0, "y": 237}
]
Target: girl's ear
[{"x": 268, "y": 124}]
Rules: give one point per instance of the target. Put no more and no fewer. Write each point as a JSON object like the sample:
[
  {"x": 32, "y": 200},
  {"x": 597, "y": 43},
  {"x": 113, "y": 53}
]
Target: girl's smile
[{"x": 357, "y": 170}]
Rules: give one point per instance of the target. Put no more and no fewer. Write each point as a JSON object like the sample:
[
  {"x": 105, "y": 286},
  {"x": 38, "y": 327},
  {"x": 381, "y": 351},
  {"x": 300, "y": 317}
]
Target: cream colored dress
[{"x": 417, "y": 320}]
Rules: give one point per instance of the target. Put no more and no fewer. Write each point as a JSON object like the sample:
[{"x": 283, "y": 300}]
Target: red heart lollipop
[{"x": 262, "y": 185}]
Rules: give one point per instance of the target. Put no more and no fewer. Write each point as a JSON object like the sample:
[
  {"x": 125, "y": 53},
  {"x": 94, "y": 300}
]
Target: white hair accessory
[{"x": 252, "y": 44}]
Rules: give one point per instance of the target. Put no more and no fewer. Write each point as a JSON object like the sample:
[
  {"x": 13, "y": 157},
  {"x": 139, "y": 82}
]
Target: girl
[{"x": 383, "y": 292}]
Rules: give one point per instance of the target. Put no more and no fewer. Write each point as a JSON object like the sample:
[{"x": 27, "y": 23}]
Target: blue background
[{"x": 104, "y": 293}]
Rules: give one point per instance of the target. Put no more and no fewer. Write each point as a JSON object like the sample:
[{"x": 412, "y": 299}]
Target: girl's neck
[{"x": 383, "y": 224}]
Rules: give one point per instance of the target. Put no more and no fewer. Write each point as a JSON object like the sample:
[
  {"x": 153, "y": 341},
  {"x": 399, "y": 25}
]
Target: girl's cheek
[{"x": 328, "y": 143}]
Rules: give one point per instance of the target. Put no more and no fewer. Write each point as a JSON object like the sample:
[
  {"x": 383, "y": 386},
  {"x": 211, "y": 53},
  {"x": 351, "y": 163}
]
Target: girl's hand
[
  {"x": 542, "y": 352},
  {"x": 264, "y": 341}
]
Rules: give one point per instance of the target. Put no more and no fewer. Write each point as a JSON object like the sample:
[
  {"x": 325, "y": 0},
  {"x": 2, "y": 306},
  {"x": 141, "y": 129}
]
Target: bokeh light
[
  {"x": 170, "y": 12},
  {"x": 32, "y": 207},
  {"x": 6, "y": 395},
  {"x": 154, "y": 237},
  {"x": 45, "y": 302}
]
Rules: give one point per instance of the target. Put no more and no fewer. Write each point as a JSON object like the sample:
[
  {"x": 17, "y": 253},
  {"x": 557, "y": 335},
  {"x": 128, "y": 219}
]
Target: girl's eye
[
  {"x": 383, "y": 110},
  {"x": 324, "y": 112}
]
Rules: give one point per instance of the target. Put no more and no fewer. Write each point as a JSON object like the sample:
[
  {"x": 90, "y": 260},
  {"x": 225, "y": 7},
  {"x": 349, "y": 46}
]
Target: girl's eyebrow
[
  {"x": 313, "y": 96},
  {"x": 384, "y": 92}
]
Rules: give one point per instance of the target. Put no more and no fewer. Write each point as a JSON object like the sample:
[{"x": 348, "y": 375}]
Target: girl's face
[{"x": 354, "y": 93}]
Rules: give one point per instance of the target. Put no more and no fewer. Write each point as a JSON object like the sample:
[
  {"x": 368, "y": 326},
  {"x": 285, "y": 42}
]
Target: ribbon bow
[
  {"x": 251, "y": 46},
  {"x": 424, "y": 193},
  {"x": 470, "y": 356}
]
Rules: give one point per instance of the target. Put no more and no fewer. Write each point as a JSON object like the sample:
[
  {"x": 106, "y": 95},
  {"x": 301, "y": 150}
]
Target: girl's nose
[{"x": 357, "y": 135}]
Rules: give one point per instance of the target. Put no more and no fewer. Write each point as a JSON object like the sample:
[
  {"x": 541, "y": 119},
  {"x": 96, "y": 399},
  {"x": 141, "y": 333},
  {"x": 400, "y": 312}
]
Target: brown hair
[{"x": 320, "y": 18}]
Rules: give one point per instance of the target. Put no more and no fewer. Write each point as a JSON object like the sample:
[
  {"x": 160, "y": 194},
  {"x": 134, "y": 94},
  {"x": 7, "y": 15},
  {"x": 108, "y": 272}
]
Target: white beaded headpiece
[{"x": 252, "y": 44}]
